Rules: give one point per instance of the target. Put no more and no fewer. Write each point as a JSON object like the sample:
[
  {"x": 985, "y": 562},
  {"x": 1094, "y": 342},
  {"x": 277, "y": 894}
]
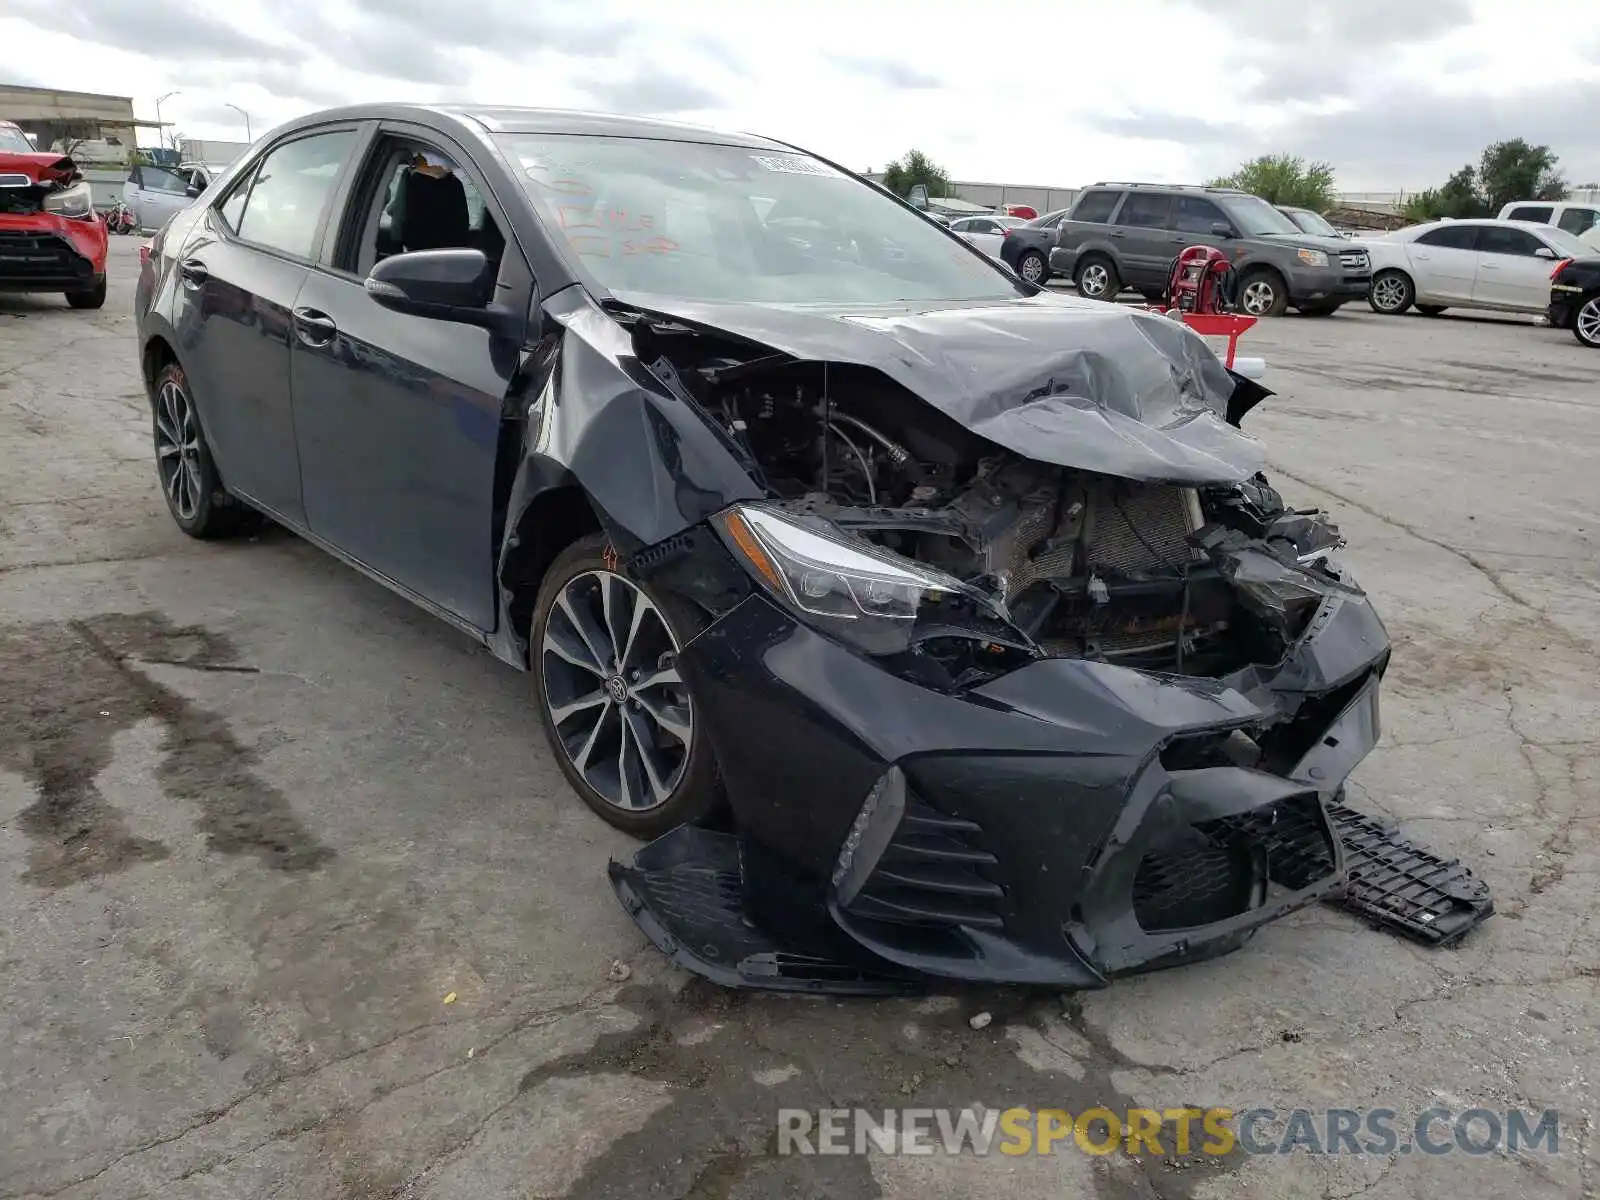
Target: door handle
[
  {"x": 1488, "y": 266},
  {"x": 314, "y": 327},
  {"x": 1118, "y": 233},
  {"x": 193, "y": 271}
]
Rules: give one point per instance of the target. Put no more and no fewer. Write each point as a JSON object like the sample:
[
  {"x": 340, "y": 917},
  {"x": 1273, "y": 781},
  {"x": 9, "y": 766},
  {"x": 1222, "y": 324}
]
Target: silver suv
[{"x": 1126, "y": 236}]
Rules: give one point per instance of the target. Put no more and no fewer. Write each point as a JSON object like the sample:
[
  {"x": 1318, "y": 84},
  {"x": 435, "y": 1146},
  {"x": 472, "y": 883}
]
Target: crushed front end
[{"x": 51, "y": 239}]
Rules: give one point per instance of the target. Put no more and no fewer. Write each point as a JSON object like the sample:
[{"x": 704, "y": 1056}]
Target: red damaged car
[{"x": 51, "y": 239}]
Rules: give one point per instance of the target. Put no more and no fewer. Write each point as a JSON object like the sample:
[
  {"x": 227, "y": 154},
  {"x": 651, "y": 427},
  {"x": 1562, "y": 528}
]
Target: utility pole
[
  {"x": 161, "y": 130},
  {"x": 246, "y": 117}
]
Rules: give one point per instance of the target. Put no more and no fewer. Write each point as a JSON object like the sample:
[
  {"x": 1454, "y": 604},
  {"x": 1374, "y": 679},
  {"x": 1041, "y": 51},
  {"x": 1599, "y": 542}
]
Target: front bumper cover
[
  {"x": 1064, "y": 824},
  {"x": 43, "y": 252}
]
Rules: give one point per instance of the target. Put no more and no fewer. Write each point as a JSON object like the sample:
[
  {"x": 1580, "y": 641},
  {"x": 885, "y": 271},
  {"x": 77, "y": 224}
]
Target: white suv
[{"x": 1581, "y": 219}]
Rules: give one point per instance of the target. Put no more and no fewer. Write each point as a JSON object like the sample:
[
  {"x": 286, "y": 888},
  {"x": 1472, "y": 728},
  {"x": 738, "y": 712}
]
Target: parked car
[
  {"x": 985, "y": 232},
  {"x": 51, "y": 238},
  {"x": 1126, "y": 235},
  {"x": 958, "y": 599},
  {"x": 154, "y": 194},
  {"x": 1581, "y": 219},
  {"x": 1309, "y": 221},
  {"x": 1575, "y": 299},
  {"x": 1503, "y": 266},
  {"x": 1026, "y": 247}
]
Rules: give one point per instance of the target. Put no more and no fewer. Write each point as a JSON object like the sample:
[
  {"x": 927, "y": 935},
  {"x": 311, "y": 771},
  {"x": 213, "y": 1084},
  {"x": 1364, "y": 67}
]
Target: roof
[{"x": 506, "y": 119}]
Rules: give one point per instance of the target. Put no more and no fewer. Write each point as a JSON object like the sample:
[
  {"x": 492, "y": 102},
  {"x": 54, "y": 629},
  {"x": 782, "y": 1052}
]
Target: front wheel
[
  {"x": 1586, "y": 325},
  {"x": 1392, "y": 293},
  {"x": 616, "y": 711},
  {"x": 1096, "y": 279},
  {"x": 1031, "y": 266},
  {"x": 1262, "y": 294},
  {"x": 94, "y": 297}
]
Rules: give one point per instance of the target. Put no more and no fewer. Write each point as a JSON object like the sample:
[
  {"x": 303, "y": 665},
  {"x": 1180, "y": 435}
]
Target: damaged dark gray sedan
[{"x": 931, "y": 624}]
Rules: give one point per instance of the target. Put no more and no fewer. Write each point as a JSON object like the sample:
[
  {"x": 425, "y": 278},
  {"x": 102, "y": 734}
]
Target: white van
[{"x": 1579, "y": 218}]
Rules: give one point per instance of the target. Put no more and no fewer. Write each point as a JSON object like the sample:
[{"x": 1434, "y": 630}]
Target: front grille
[
  {"x": 1216, "y": 870},
  {"x": 1355, "y": 260},
  {"x": 934, "y": 872},
  {"x": 1141, "y": 528},
  {"x": 40, "y": 256}
]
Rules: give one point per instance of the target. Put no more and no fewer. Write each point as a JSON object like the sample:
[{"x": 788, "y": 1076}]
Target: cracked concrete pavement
[{"x": 259, "y": 819}]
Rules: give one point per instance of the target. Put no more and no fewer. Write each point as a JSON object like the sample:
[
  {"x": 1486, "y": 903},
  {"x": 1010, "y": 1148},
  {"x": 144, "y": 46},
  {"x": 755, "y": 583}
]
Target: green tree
[
  {"x": 1459, "y": 197},
  {"x": 1284, "y": 179},
  {"x": 903, "y": 174},
  {"x": 1515, "y": 170}
]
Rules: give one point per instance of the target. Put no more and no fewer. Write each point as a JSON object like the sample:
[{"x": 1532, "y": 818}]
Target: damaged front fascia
[{"x": 26, "y": 179}]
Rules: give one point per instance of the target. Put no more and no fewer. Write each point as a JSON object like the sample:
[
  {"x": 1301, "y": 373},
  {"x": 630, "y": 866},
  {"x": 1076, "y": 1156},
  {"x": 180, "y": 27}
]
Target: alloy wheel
[
  {"x": 1258, "y": 298},
  {"x": 1032, "y": 269},
  {"x": 1588, "y": 322},
  {"x": 1389, "y": 293},
  {"x": 613, "y": 693},
  {"x": 1094, "y": 280},
  {"x": 178, "y": 450}
]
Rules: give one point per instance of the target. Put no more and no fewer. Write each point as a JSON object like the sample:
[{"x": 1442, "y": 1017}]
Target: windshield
[
  {"x": 1565, "y": 244},
  {"x": 730, "y": 223},
  {"x": 1311, "y": 222},
  {"x": 1255, "y": 217},
  {"x": 14, "y": 141}
]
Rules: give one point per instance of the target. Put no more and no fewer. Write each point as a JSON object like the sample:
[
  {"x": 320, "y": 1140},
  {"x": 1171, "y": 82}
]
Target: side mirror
[
  {"x": 1544, "y": 252},
  {"x": 193, "y": 191},
  {"x": 1221, "y": 229},
  {"x": 442, "y": 285}
]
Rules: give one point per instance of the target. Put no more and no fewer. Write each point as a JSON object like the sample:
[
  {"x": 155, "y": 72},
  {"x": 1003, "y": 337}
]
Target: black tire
[
  {"x": 1101, "y": 274},
  {"x": 1325, "y": 309},
  {"x": 94, "y": 297},
  {"x": 1032, "y": 260},
  {"x": 1586, "y": 321},
  {"x": 1391, "y": 293},
  {"x": 1263, "y": 293},
  {"x": 695, "y": 790},
  {"x": 1430, "y": 310},
  {"x": 1154, "y": 297},
  {"x": 193, "y": 489}
]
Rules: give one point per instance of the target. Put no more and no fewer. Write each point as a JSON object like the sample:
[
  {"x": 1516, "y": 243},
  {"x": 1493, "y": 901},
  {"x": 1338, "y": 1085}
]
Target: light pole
[
  {"x": 161, "y": 130},
  {"x": 246, "y": 117}
]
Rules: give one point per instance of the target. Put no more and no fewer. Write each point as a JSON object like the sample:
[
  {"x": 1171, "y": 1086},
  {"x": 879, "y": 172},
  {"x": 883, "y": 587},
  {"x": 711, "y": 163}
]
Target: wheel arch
[{"x": 555, "y": 513}]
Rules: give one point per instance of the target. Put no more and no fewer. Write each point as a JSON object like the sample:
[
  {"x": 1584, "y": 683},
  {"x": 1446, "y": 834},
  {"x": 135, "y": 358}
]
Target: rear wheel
[
  {"x": 1031, "y": 266},
  {"x": 1263, "y": 294},
  {"x": 1586, "y": 325},
  {"x": 1430, "y": 310},
  {"x": 618, "y": 715},
  {"x": 1392, "y": 293},
  {"x": 1096, "y": 279},
  {"x": 94, "y": 297},
  {"x": 195, "y": 497}
]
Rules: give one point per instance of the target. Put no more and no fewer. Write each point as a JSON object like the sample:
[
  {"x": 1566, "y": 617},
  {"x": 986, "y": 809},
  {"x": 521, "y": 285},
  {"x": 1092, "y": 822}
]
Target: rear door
[
  {"x": 1444, "y": 263},
  {"x": 1511, "y": 272},
  {"x": 398, "y": 417},
  {"x": 1142, "y": 234},
  {"x": 242, "y": 270}
]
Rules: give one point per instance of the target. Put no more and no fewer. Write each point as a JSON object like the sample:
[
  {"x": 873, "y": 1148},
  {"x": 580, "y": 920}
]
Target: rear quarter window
[
  {"x": 1531, "y": 212},
  {"x": 1096, "y": 206}
]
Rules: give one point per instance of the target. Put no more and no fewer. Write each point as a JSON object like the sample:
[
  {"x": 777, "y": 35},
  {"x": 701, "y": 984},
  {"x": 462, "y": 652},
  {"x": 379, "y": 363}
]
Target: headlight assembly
[
  {"x": 1314, "y": 258},
  {"x": 850, "y": 589},
  {"x": 75, "y": 201}
]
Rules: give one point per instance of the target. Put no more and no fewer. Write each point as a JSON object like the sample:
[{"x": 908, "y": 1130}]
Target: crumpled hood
[
  {"x": 1075, "y": 383},
  {"x": 39, "y": 168}
]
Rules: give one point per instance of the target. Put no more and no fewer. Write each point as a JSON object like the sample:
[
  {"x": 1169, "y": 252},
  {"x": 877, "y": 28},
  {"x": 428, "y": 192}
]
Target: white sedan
[
  {"x": 1504, "y": 266},
  {"x": 986, "y": 232}
]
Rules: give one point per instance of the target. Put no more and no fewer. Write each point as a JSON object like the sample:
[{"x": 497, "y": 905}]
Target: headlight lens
[
  {"x": 853, "y": 590},
  {"x": 1314, "y": 258},
  {"x": 75, "y": 201},
  {"x": 1287, "y": 596}
]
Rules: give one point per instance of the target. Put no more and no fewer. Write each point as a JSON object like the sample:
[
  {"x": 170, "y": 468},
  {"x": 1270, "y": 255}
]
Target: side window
[
  {"x": 1497, "y": 239},
  {"x": 1095, "y": 206},
  {"x": 1529, "y": 212},
  {"x": 1145, "y": 210},
  {"x": 1451, "y": 237},
  {"x": 233, "y": 207},
  {"x": 1579, "y": 220},
  {"x": 159, "y": 179},
  {"x": 1051, "y": 222},
  {"x": 1197, "y": 215},
  {"x": 289, "y": 190},
  {"x": 135, "y": 178},
  {"x": 416, "y": 198}
]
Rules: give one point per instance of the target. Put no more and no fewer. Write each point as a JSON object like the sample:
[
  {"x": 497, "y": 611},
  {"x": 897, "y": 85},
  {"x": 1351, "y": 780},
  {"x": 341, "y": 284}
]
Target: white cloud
[{"x": 1396, "y": 94}]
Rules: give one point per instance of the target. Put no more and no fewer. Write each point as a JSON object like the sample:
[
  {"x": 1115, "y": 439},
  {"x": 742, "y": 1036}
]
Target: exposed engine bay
[{"x": 1085, "y": 565}]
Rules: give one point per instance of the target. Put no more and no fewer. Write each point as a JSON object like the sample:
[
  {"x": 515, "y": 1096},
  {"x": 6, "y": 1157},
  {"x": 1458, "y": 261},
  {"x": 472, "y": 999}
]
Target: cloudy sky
[{"x": 1395, "y": 93}]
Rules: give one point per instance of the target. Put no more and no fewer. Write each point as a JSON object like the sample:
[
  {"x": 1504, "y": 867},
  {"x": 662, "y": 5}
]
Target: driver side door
[{"x": 397, "y": 417}]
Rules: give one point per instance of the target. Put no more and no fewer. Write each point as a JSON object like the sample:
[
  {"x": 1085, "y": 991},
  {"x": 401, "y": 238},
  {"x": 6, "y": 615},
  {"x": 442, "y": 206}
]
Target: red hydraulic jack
[{"x": 1197, "y": 294}]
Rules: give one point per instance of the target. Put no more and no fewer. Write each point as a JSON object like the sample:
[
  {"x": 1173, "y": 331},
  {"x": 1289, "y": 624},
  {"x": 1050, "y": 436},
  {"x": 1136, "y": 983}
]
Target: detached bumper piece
[
  {"x": 685, "y": 890},
  {"x": 1400, "y": 886}
]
